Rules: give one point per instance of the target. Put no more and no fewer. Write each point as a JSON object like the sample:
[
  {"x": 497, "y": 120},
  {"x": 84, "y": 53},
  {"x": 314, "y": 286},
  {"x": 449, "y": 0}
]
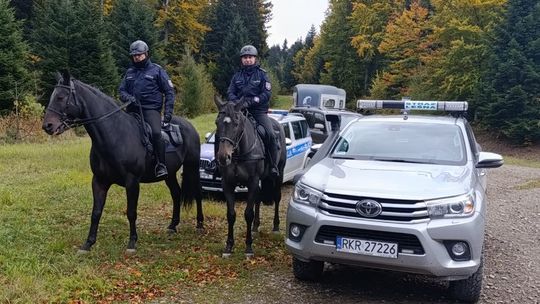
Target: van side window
[
  {"x": 287, "y": 130},
  {"x": 297, "y": 130}
]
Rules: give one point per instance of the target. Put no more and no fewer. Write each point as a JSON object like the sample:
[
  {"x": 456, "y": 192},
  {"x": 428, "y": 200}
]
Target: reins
[
  {"x": 76, "y": 122},
  {"x": 236, "y": 143}
]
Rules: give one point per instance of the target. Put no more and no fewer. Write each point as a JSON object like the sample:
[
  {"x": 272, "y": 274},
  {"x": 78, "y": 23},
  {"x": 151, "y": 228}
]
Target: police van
[{"x": 298, "y": 144}]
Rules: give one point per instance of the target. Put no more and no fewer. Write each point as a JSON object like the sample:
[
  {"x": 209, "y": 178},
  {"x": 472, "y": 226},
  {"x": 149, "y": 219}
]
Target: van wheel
[
  {"x": 307, "y": 271},
  {"x": 468, "y": 290}
]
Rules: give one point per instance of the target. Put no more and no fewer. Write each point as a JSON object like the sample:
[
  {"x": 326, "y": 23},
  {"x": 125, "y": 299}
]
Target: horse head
[
  {"x": 230, "y": 124},
  {"x": 62, "y": 107}
]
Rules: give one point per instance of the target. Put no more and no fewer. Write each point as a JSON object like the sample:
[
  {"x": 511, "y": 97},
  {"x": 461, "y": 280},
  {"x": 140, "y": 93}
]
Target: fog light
[
  {"x": 295, "y": 231},
  {"x": 459, "y": 249}
]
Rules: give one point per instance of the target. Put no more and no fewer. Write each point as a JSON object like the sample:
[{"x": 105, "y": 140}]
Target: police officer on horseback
[
  {"x": 251, "y": 86},
  {"x": 145, "y": 84}
]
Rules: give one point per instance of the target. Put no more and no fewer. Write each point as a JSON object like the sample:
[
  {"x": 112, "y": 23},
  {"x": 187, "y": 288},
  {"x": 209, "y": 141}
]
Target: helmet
[
  {"x": 138, "y": 47},
  {"x": 248, "y": 50}
]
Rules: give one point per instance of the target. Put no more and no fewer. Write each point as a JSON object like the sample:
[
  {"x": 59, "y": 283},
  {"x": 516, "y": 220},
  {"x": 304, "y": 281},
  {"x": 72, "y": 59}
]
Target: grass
[
  {"x": 532, "y": 184},
  {"x": 521, "y": 162},
  {"x": 45, "y": 205},
  {"x": 284, "y": 102}
]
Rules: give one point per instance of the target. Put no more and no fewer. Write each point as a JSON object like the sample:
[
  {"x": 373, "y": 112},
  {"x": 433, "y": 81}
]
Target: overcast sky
[{"x": 292, "y": 19}]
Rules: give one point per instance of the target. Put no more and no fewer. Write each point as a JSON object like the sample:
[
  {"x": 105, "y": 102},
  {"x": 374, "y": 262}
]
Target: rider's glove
[
  {"x": 132, "y": 99},
  {"x": 167, "y": 118}
]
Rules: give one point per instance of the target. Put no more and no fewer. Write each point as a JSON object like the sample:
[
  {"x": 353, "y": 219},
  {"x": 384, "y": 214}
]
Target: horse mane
[{"x": 97, "y": 92}]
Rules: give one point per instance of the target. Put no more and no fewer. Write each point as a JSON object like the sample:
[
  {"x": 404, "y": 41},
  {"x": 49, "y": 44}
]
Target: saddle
[
  {"x": 261, "y": 131},
  {"x": 170, "y": 133}
]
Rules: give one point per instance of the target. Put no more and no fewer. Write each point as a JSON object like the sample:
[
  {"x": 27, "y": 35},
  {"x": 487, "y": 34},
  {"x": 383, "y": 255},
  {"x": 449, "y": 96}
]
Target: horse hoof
[
  {"x": 275, "y": 231},
  {"x": 200, "y": 230},
  {"x": 131, "y": 251},
  {"x": 249, "y": 255},
  {"x": 171, "y": 231},
  {"x": 226, "y": 255},
  {"x": 83, "y": 252}
]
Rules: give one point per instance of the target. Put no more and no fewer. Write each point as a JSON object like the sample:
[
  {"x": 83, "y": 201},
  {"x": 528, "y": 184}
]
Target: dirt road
[{"x": 512, "y": 269}]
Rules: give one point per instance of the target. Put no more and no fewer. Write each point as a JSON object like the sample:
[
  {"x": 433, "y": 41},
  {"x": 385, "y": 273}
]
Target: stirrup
[{"x": 161, "y": 170}]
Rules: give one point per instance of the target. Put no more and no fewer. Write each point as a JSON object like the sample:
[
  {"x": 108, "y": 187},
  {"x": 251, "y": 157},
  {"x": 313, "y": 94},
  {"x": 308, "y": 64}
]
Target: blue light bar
[
  {"x": 406, "y": 104},
  {"x": 278, "y": 112}
]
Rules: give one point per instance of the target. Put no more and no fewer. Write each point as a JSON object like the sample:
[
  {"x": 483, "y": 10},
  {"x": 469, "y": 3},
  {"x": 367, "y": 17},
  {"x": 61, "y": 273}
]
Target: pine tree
[
  {"x": 71, "y": 35},
  {"x": 131, "y": 20},
  {"x": 513, "y": 96},
  {"x": 228, "y": 59},
  {"x": 255, "y": 14},
  {"x": 342, "y": 66},
  {"x": 23, "y": 12},
  {"x": 13, "y": 55}
]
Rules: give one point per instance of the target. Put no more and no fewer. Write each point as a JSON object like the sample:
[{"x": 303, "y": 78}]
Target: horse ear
[
  {"x": 66, "y": 76},
  {"x": 58, "y": 77},
  {"x": 219, "y": 102}
]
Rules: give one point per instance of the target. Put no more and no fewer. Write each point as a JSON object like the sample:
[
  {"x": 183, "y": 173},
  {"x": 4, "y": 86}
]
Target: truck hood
[{"x": 391, "y": 180}]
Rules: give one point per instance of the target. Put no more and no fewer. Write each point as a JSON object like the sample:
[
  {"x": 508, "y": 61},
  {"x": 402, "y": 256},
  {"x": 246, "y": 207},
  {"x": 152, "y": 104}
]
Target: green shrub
[{"x": 195, "y": 92}]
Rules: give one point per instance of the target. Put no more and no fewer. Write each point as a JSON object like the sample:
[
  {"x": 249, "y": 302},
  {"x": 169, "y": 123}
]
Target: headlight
[
  {"x": 306, "y": 195},
  {"x": 459, "y": 206}
]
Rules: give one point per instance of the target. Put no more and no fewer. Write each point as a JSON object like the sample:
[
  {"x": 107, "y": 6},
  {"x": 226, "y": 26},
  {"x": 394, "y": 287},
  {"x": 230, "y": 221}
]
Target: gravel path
[{"x": 512, "y": 269}]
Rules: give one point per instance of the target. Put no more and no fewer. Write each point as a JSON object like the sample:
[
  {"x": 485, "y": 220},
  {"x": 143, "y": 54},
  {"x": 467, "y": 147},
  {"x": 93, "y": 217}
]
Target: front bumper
[{"x": 434, "y": 260}]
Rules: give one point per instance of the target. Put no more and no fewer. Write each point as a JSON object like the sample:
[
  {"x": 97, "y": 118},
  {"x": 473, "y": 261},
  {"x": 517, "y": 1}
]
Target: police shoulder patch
[
  {"x": 268, "y": 86},
  {"x": 170, "y": 84}
]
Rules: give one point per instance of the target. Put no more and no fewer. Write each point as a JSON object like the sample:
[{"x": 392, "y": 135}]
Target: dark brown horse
[
  {"x": 118, "y": 155},
  {"x": 241, "y": 161}
]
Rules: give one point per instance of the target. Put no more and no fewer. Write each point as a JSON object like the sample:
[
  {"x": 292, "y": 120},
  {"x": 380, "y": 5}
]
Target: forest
[{"x": 486, "y": 52}]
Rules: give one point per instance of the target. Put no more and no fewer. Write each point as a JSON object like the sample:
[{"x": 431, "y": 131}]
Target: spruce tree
[
  {"x": 342, "y": 66},
  {"x": 513, "y": 96},
  {"x": 13, "y": 55},
  {"x": 128, "y": 21},
  {"x": 71, "y": 35},
  {"x": 228, "y": 60}
]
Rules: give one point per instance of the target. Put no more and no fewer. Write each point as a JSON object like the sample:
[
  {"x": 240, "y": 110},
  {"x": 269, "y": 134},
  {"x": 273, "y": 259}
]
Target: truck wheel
[
  {"x": 468, "y": 290},
  {"x": 307, "y": 271}
]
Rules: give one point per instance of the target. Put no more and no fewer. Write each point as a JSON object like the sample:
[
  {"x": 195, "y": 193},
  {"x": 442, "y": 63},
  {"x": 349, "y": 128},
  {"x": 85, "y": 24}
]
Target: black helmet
[
  {"x": 248, "y": 50},
  {"x": 138, "y": 47}
]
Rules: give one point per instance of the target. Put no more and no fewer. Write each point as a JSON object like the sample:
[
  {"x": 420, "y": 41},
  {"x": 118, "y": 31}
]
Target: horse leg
[
  {"x": 99, "y": 192},
  {"x": 228, "y": 191},
  {"x": 277, "y": 199},
  {"x": 132, "y": 192},
  {"x": 257, "y": 219},
  {"x": 174, "y": 188},
  {"x": 200, "y": 216},
  {"x": 253, "y": 194}
]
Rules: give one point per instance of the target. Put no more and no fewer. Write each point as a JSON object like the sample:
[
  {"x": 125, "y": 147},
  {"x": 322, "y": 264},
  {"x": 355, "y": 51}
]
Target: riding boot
[
  {"x": 273, "y": 154},
  {"x": 161, "y": 169}
]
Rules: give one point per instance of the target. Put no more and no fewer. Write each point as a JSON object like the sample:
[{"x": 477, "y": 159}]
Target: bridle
[
  {"x": 68, "y": 116},
  {"x": 234, "y": 143}
]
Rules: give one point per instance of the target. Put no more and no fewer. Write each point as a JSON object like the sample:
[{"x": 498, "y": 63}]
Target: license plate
[{"x": 366, "y": 247}]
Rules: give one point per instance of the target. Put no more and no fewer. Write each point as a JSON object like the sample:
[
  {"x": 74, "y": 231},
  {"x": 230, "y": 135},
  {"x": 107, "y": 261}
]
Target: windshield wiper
[
  {"x": 400, "y": 160},
  {"x": 342, "y": 156}
]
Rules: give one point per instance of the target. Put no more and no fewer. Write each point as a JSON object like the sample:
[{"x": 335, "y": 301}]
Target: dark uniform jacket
[
  {"x": 148, "y": 85},
  {"x": 250, "y": 82}
]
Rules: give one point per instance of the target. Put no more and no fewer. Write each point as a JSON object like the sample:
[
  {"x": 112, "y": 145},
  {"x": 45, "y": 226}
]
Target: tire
[
  {"x": 306, "y": 162},
  {"x": 468, "y": 290},
  {"x": 307, "y": 271}
]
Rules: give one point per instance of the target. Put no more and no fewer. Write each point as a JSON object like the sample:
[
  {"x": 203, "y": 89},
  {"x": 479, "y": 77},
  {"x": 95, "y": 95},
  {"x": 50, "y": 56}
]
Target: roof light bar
[
  {"x": 278, "y": 112},
  {"x": 407, "y": 104}
]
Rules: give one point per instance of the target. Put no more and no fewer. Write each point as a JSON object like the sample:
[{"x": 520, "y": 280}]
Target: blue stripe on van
[{"x": 292, "y": 151}]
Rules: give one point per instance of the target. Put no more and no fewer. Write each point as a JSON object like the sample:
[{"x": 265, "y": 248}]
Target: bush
[{"x": 195, "y": 92}]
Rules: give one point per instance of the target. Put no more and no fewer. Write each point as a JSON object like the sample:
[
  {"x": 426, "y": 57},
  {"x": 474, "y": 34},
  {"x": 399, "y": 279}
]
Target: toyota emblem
[{"x": 368, "y": 208}]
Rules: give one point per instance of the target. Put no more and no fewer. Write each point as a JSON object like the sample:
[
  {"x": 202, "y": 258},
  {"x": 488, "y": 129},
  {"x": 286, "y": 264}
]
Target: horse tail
[{"x": 191, "y": 183}]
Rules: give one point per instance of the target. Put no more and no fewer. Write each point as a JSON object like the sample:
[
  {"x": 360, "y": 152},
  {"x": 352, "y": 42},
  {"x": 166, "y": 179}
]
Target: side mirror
[
  {"x": 319, "y": 126},
  {"x": 288, "y": 141},
  {"x": 489, "y": 160},
  {"x": 207, "y": 135}
]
